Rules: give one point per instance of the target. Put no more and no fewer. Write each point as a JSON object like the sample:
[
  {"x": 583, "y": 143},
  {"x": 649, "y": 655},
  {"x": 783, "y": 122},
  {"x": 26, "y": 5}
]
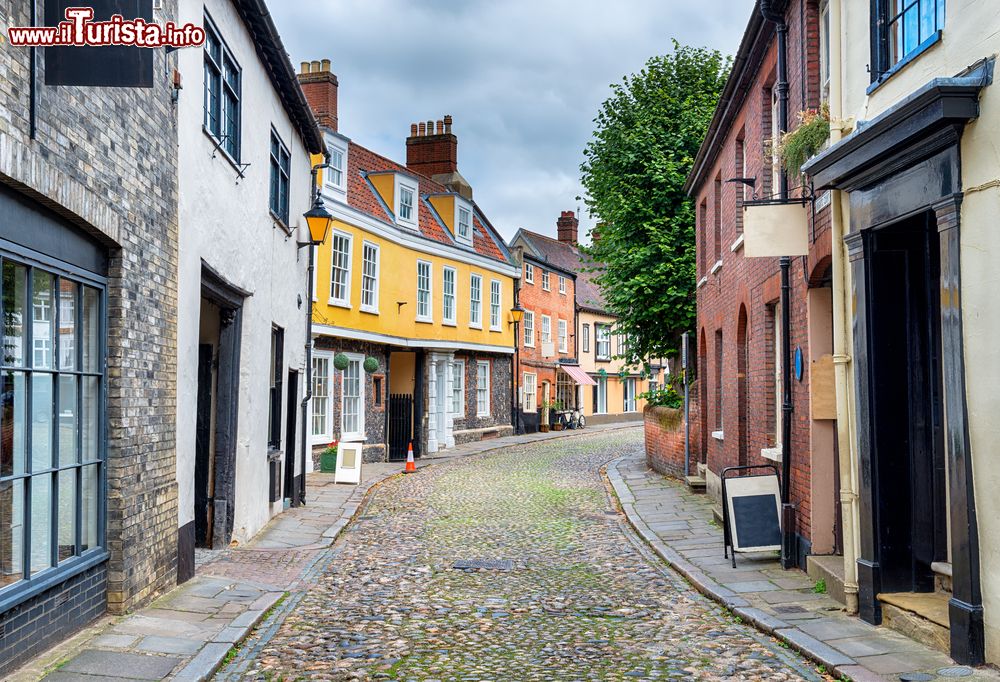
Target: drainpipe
[
  {"x": 314, "y": 191},
  {"x": 841, "y": 335},
  {"x": 789, "y": 558}
]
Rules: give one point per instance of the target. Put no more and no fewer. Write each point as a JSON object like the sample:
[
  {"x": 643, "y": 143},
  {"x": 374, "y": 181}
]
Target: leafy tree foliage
[{"x": 645, "y": 140}]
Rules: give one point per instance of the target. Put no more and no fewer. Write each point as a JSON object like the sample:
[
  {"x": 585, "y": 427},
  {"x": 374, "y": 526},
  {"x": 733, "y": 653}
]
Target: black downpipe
[
  {"x": 33, "y": 78},
  {"x": 515, "y": 371},
  {"x": 789, "y": 553}
]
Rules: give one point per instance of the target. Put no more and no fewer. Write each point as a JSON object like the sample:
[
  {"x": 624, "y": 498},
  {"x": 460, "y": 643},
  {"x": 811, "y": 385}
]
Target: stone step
[
  {"x": 695, "y": 484},
  {"x": 922, "y": 616},
  {"x": 829, "y": 569}
]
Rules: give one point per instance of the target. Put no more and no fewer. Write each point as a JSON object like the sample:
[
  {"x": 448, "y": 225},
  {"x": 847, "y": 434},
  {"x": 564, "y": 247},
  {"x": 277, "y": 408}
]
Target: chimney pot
[
  {"x": 315, "y": 66},
  {"x": 447, "y": 124},
  {"x": 304, "y": 67},
  {"x": 413, "y": 130},
  {"x": 439, "y": 129},
  {"x": 325, "y": 64},
  {"x": 421, "y": 129}
]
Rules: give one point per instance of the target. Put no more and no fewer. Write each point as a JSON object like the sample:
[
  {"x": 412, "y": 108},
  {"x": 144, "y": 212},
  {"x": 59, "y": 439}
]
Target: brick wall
[
  {"x": 738, "y": 299},
  {"x": 664, "y": 437}
]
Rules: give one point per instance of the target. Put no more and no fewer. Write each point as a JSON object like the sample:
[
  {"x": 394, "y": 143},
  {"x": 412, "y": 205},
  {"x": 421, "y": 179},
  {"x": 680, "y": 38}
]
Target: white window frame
[
  {"x": 358, "y": 435},
  {"x": 529, "y": 273},
  {"x": 460, "y": 206},
  {"x": 585, "y": 333},
  {"x": 546, "y": 283},
  {"x": 824, "y": 50},
  {"x": 429, "y": 317},
  {"x": 529, "y": 399},
  {"x": 337, "y": 189},
  {"x": 599, "y": 341},
  {"x": 546, "y": 329},
  {"x": 344, "y": 301},
  {"x": 413, "y": 186},
  {"x": 601, "y": 404},
  {"x": 458, "y": 388},
  {"x": 496, "y": 304},
  {"x": 373, "y": 306},
  {"x": 483, "y": 371},
  {"x": 327, "y": 436},
  {"x": 628, "y": 394},
  {"x": 562, "y": 334},
  {"x": 529, "y": 328},
  {"x": 476, "y": 304},
  {"x": 562, "y": 285},
  {"x": 447, "y": 319}
]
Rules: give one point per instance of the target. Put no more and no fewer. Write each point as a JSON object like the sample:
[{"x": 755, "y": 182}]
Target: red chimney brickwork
[
  {"x": 319, "y": 86},
  {"x": 567, "y": 227},
  {"x": 432, "y": 151}
]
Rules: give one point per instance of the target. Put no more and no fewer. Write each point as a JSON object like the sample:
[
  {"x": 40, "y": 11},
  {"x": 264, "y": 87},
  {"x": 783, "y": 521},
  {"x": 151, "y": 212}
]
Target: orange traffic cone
[{"x": 411, "y": 466}]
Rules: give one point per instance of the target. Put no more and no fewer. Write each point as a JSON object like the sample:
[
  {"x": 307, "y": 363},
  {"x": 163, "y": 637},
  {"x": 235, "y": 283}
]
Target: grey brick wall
[{"x": 106, "y": 160}]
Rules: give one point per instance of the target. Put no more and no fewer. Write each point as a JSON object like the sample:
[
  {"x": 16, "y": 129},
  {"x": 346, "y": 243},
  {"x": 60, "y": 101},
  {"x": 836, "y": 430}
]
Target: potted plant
[
  {"x": 549, "y": 418},
  {"x": 799, "y": 145},
  {"x": 328, "y": 458}
]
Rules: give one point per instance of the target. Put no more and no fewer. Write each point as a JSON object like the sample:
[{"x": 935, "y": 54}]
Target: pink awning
[{"x": 578, "y": 375}]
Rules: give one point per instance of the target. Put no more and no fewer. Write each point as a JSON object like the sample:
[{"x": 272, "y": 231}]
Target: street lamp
[
  {"x": 318, "y": 220},
  {"x": 516, "y": 315}
]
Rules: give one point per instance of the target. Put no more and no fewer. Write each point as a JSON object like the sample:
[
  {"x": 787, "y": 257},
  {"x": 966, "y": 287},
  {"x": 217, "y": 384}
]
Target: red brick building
[
  {"x": 738, "y": 297},
  {"x": 547, "y": 334}
]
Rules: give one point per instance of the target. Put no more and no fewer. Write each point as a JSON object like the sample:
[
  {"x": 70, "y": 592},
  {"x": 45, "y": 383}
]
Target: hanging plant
[
  {"x": 341, "y": 361},
  {"x": 799, "y": 145},
  {"x": 371, "y": 364},
  {"x": 603, "y": 373}
]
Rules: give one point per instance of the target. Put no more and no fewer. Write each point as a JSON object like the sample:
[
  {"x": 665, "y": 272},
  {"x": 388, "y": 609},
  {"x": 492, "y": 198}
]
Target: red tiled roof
[
  {"x": 362, "y": 196},
  {"x": 568, "y": 257}
]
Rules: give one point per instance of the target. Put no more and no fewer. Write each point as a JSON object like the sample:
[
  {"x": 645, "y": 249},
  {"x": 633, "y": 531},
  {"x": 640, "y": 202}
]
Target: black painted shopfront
[
  {"x": 52, "y": 428},
  {"x": 902, "y": 171}
]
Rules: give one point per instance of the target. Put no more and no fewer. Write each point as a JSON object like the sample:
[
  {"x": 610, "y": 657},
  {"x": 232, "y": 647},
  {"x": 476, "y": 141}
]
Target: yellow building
[{"x": 412, "y": 299}]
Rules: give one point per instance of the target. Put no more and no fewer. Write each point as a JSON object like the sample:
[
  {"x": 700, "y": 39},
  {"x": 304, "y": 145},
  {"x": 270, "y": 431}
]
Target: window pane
[
  {"x": 68, "y": 420},
  {"x": 90, "y": 498},
  {"x": 14, "y": 294},
  {"x": 12, "y": 423},
  {"x": 67, "y": 514},
  {"x": 91, "y": 330},
  {"x": 89, "y": 411},
  {"x": 911, "y": 32},
  {"x": 320, "y": 395},
  {"x": 41, "y": 422},
  {"x": 43, "y": 319},
  {"x": 67, "y": 324},
  {"x": 11, "y": 531},
  {"x": 41, "y": 522}
]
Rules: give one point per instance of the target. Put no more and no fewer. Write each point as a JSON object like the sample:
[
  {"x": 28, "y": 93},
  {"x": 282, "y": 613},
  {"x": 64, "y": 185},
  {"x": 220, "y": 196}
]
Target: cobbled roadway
[{"x": 584, "y": 599}]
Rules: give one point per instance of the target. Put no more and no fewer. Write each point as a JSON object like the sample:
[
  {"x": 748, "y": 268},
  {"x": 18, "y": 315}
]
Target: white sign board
[
  {"x": 775, "y": 230},
  {"x": 348, "y": 463},
  {"x": 753, "y": 504}
]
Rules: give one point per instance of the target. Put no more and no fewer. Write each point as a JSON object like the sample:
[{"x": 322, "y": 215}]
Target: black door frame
[
  {"x": 904, "y": 162},
  {"x": 291, "y": 422}
]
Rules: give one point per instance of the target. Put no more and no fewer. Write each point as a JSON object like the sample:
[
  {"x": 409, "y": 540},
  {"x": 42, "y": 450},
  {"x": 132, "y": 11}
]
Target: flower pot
[
  {"x": 328, "y": 461},
  {"x": 544, "y": 428},
  {"x": 557, "y": 427}
]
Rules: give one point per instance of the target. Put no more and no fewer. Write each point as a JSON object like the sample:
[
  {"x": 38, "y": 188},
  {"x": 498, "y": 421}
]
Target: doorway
[
  {"x": 291, "y": 421},
  {"x": 908, "y": 515},
  {"x": 741, "y": 387}
]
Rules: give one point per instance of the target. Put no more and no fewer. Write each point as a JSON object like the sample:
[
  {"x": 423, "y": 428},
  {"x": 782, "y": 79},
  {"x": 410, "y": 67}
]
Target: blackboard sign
[{"x": 751, "y": 509}]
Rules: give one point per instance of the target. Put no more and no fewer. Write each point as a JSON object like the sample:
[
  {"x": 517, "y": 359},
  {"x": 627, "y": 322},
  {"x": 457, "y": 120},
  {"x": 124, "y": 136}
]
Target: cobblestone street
[{"x": 574, "y": 595}]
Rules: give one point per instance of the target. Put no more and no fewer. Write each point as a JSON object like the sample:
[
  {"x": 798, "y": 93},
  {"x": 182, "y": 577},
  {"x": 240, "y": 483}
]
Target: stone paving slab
[
  {"x": 186, "y": 633},
  {"x": 776, "y": 601}
]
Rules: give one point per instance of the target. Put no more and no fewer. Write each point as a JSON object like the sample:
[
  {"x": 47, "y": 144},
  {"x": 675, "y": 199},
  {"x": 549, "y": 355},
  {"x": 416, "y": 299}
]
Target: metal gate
[{"x": 400, "y": 426}]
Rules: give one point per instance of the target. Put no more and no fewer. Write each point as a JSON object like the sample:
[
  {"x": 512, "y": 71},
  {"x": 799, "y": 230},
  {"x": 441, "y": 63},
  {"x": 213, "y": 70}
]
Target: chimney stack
[
  {"x": 567, "y": 227},
  {"x": 432, "y": 150},
  {"x": 319, "y": 85}
]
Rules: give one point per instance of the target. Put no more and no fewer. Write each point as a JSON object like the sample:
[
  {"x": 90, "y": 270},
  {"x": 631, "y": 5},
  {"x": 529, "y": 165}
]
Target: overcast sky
[{"x": 523, "y": 79}]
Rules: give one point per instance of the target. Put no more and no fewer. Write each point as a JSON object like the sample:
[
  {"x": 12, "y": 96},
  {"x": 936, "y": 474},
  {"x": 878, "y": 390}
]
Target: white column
[
  {"x": 432, "y": 406},
  {"x": 449, "y": 421}
]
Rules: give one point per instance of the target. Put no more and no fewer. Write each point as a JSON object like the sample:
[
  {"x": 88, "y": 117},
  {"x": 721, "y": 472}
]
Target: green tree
[{"x": 645, "y": 139}]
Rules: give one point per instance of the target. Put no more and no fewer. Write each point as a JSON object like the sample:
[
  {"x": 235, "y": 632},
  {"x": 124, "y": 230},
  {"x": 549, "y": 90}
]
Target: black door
[
  {"x": 291, "y": 449},
  {"x": 908, "y": 451},
  {"x": 400, "y": 426},
  {"x": 203, "y": 475}
]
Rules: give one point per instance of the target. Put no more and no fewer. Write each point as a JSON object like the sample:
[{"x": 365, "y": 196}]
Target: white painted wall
[
  {"x": 227, "y": 225},
  {"x": 971, "y": 33}
]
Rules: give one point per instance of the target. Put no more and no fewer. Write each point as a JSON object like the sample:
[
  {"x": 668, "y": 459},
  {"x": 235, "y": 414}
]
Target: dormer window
[
  {"x": 406, "y": 201},
  {"x": 463, "y": 223},
  {"x": 335, "y": 177}
]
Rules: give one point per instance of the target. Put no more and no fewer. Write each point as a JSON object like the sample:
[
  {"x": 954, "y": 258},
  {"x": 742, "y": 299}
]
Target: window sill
[
  {"x": 773, "y": 454},
  {"x": 22, "y": 591},
  {"x": 718, "y": 435},
  {"x": 702, "y": 282},
  {"x": 485, "y": 415},
  {"x": 737, "y": 245},
  {"x": 425, "y": 320},
  {"x": 217, "y": 146},
  {"x": 449, "y": 323},
  {"x": 278, "y": 222},
  {"x": 716, "y": 267},
  {"x": 370, "y": 311},
  {"x": 339, "y": 304},
  {"x": 496, "y": 329},
  {"x": 905, "y": 61},
  {"x": 352, "y": 438},
  {"x": 476, "y": 326}
]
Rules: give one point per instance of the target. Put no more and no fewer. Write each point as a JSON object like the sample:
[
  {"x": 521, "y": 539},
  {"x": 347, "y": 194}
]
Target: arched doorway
[
  {"x": 703, "y": 397},
  {"x": 741, "y": 385}
]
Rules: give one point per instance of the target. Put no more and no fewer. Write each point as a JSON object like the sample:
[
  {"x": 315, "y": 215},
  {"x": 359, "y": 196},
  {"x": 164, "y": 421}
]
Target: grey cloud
[{"x": 522, "y": 78}]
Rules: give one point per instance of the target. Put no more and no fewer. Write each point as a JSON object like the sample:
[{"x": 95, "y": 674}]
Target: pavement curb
[{"x": 835, "y": 662}]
